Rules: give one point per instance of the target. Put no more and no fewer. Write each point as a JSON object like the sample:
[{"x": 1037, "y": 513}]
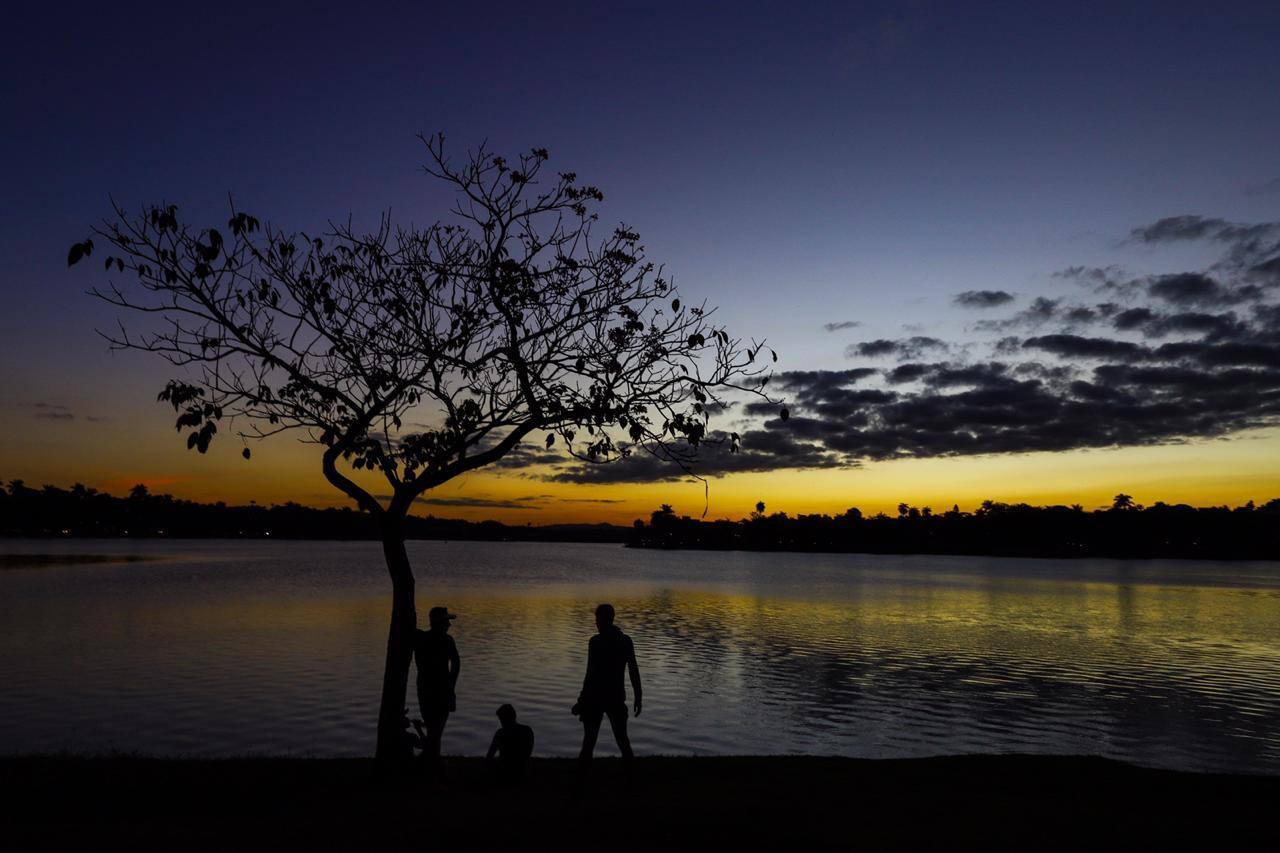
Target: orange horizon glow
[{"x": 113, "y": 456}]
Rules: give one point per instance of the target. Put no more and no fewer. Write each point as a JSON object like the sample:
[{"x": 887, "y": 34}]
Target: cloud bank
[{"x": 1123, "y": 360}]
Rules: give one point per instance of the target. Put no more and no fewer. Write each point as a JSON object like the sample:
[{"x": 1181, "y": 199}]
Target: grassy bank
[{"x": 713, "y": 803}]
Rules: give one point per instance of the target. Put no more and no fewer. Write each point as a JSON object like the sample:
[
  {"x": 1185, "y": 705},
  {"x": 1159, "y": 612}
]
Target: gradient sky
[{"x": 797, "y": 163}]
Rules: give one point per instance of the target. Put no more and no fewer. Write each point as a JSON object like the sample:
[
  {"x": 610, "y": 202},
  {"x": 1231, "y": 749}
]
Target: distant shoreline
[
  {"x": 37, "y": 559},
  {"x": 1029, "y": 802},
  {"x": 1126, "y": 530}
]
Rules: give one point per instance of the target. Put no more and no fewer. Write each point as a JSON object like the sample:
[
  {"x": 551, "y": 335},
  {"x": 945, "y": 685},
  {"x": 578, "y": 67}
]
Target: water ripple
[{"x": 276, "y": 648}]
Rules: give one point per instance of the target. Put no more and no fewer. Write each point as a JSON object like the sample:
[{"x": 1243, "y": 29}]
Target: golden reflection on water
[{"x": 751, "y": 654}]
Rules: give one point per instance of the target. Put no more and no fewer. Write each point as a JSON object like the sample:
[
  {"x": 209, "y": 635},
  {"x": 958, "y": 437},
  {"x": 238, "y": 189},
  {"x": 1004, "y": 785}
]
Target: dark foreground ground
[{"x": 674, "y": 803}]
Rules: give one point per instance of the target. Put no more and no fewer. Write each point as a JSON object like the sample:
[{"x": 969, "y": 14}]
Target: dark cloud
[
  {"x": 1267, "y": 271},
  {"x": 1193, "y": 289},
  {"x": 996, "y": 412},
  {"x": 948, "y": 376},
  {"x": 1110, "y": 280},
  {"x": 1007, "y": 345},
  {"x": 1212, "y": 326},
  {"x": 528, "y": 455},
  {"x": 907, "y": 373},
  {"x": 1132, "y": 318},
  {"x": 983, "y": 298},
  {"x": 1041, "y": 310},
  {"x": 56, "y": 416},
  {"x": 1096, "y": 277},
  {"x": 1257, "y": 354},
  {"x": 1178, "y": 228},
  {"x": 812, "y": 383},
  {"x": 1250, "y": 249},
  {"x": 1075, "y": 346},
  {"x": 761, "y": 450},
  {"x": 840, "y": 326},
  {"x": 903, "y": 348}
]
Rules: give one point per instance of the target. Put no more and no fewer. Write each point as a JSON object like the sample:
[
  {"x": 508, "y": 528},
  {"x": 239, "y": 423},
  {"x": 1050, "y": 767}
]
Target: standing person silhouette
[
  {"x": 603, "y": 693},
  {"x": 436, "y": 655}
]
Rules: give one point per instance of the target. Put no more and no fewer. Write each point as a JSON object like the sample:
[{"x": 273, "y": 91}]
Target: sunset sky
[{"x": 1018, "y": 251}]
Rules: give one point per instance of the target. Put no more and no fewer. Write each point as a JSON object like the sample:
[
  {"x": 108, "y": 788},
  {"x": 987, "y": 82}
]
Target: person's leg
[
  {"x": 590, "y": 732},
  {"x": 618, "y": 722},
  {"x": 435, "y": 720}
]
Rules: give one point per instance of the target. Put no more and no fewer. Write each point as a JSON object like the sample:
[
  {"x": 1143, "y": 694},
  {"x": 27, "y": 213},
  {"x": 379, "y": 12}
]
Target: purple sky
[{"x": 799, "y": 164}]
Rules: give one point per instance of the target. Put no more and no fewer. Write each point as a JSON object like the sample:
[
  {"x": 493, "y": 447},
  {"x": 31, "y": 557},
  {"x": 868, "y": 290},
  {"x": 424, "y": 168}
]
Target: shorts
[{"x": 594, "y": 714}]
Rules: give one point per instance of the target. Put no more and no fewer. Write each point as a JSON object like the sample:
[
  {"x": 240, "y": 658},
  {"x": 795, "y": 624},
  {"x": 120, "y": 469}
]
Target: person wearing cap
[
  {"x": 436, "y": 655},
  {"x": 610, "y": 653}
]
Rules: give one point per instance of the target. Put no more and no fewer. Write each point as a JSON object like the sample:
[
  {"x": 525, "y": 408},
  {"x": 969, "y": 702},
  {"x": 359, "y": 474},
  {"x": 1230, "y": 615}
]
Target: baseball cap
[{"x": 440, "y": 614}]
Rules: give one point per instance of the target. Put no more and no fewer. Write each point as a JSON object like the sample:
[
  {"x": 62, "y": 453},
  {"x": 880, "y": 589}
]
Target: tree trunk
[{"x": 404, "y": 622}]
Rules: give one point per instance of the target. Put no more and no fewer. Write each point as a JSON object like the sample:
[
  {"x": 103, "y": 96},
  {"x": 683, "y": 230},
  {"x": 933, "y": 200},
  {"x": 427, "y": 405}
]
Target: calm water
[{"x": 221, "y": 648}]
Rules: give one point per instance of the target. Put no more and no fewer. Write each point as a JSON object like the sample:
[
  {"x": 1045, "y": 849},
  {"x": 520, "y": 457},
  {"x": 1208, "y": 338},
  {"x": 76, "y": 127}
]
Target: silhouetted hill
[
  {"x": 85, "y": 512},
  {"x": 1125, "y": 530}
]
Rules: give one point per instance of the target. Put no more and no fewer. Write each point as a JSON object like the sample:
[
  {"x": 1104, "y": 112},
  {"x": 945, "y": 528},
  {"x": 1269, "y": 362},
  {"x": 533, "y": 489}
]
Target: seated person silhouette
[
  {"x": 512, "y": 745},
  {"x": 610, "y": 653}
]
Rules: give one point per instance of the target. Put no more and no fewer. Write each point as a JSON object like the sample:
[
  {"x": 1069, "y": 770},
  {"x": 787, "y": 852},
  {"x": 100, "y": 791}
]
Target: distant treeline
[
  {"x": 82, "y": 511},
  {"x": 1126, "y": 529}
]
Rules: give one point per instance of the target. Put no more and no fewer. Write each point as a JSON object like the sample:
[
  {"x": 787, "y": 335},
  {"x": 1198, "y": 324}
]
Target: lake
[{"x": 219, "y": 648}]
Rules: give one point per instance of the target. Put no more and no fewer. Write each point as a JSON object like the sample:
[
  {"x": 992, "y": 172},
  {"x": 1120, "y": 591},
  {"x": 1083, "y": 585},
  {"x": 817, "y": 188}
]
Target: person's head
[
  {"x": 604, "y": 616},
  {"x": 506, "y": 714},
  {"x": 440, "y": 618}
]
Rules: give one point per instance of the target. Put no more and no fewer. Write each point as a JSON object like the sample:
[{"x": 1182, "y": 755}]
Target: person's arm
[
  {"x": 455, "y": 663},
  {"x": 493, "y": 748},
  {"x": 591, "y": 650},
  {"x": 633, "y": 669}
]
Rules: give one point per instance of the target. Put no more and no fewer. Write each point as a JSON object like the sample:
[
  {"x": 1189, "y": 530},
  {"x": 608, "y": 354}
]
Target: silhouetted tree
[
  {"x": 663, "y": 513},
  {"x": 422, "y": 354},
  {"x": 1124, "y": 503}
]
